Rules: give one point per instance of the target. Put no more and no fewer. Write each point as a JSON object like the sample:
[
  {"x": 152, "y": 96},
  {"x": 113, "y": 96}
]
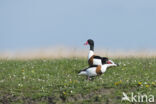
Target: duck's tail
[{"x": 82, "y": 73}]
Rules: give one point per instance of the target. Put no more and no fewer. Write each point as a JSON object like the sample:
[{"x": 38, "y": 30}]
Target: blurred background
[{"x": 49, "y": 26}]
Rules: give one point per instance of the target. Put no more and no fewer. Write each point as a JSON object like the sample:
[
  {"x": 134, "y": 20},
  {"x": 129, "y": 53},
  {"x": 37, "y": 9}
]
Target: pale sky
[{"x": 113, "y": 24}]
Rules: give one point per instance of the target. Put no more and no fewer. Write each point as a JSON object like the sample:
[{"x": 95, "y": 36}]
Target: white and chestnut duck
[
  {"x": 93, "y": 59},
  {"x": 95, "y": 70}
]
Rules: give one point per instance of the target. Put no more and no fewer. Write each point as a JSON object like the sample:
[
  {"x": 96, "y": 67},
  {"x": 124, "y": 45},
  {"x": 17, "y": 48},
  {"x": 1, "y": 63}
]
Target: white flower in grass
[
  {"x": 20, "y": 85},
  {"x": 100, "y": 78},
  {"x": 42, "y": 88},
  {"x": 10, "y": 76},
  {"x": 23, "y": 77},
  {"x": 1, "y": 81},
  {"x": 39, "y": 80},
  {"x": 127, "y": 80},
  {"x": 124, "y": 64}
]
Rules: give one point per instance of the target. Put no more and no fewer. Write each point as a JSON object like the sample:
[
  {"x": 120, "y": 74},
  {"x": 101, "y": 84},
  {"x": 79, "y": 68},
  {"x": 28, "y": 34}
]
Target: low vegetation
[{"x": 42, "y": 81}]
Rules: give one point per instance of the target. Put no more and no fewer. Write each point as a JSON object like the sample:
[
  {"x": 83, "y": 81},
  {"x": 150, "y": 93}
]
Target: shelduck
[
  {"x": 95, "y": 70},
  {"x": 93, "y": 59}
]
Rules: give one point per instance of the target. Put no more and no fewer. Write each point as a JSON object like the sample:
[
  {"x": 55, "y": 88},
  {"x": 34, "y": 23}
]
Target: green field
[{"x": 43, "y": 81}]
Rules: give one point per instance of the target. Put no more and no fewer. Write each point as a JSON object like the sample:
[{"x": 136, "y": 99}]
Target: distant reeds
[{"x": 64, "y": 52}]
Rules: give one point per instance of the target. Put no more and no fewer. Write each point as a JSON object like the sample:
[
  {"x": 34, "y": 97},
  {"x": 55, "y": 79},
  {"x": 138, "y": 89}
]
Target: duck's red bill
[
  {"x": 86, "y": 43},
  {"x": 108, "y": 62}
]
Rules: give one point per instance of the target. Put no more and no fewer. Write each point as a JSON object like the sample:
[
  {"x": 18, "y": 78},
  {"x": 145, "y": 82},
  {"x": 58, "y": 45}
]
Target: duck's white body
[
  {"x": 89, "y": 72},
  {"x": 95, "y": 70},
  {"x": 94, "y": 60}
]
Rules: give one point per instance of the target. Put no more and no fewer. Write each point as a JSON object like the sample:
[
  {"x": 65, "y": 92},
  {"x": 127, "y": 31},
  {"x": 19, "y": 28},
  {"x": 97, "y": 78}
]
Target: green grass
[{"x": 45, "y": 81}]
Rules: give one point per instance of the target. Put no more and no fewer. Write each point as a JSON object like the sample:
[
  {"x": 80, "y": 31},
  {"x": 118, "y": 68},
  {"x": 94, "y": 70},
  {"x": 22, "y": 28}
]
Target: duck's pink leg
[{"x": 89, "y": 78}]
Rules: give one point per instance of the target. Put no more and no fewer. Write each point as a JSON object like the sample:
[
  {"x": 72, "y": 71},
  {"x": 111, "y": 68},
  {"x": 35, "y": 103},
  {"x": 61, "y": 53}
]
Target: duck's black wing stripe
[
  {"x": 103, "y": 59},
  {"x": 97, "y": 57},
  {"x": 93, "y": 66}
]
